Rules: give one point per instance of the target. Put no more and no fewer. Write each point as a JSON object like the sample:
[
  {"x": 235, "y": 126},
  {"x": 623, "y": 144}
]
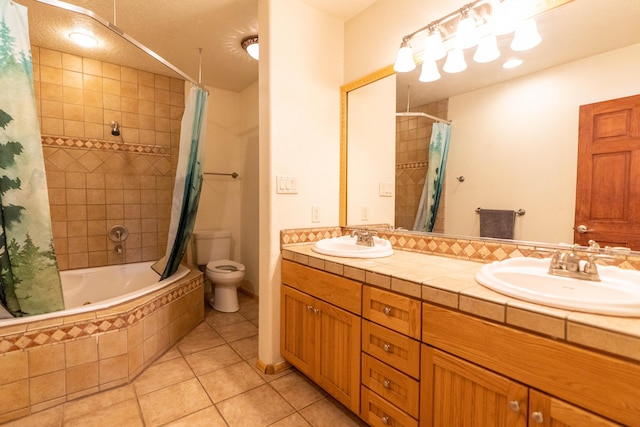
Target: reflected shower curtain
[
  {"x": 186, "y": 191},
  {"x": 29, "y": 277},
  {"x": 430, "y": 199}
]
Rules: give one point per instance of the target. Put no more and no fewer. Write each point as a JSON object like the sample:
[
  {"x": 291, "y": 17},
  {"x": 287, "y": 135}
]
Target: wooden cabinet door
[
  {"x": 297, "y": 329},
  {"x": 547, "y": 411},
  {"x": 457, "y": 393},
  {"x": 337, "y": 368}
]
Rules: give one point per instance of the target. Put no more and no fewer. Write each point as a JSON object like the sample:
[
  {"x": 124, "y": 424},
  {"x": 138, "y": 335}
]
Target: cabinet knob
[
  {"x": 387, "y": 310},
  {"x": 537, "y": 417},
  {"x": 309, "y": 307},
  {"x": 316, "y": 310},
  {"x": 385, "y": 420},
  {"x": 386, "y": 383},
  {"x": 514, "y": 405},
  {"x": 387, "y": 347}
]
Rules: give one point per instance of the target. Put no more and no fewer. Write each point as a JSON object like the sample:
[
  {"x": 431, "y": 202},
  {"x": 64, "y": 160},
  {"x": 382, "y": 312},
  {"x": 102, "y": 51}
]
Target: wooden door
[
  {"x": 454, "y": 392},
  {"x": 608, "y": 177},
  {"x": 338, "y": 354},
  {"x": 297, "y": 333},
  {"x": 547, "y": 411}
]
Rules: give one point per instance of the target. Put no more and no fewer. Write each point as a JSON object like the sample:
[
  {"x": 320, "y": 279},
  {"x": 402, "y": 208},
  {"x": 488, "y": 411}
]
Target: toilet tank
[{"x": 211, "y": 245}]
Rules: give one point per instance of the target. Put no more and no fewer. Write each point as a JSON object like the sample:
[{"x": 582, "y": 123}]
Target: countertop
[{"x": 451, "y": 282}]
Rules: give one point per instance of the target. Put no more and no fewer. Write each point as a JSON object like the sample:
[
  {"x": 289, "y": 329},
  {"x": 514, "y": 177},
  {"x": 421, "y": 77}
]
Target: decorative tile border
[
  {"x": 480, "y": 250},
  {"x": 68, "y": 142},
  {"x": 412, "y": 165}
]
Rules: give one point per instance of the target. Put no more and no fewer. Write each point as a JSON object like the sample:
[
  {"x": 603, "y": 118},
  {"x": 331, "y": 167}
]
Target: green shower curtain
[
  {"x": 29, "y": 277},
  {"x": 430, "y": 199},
  {"x": 186, "y": 191}
]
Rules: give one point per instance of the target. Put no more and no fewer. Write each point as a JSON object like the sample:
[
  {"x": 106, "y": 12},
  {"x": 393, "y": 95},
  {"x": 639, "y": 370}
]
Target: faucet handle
[{"x": 593, "y": 245}]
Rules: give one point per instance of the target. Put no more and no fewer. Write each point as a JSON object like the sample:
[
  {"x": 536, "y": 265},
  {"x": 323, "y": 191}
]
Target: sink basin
[
  {"x": 346, "y": 247},
  {"x": 617, "y": 294}
]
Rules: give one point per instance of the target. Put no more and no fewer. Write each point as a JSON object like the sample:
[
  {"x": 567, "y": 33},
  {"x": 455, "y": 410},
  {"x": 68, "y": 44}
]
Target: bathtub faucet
[{"x": 118, "y": 249}]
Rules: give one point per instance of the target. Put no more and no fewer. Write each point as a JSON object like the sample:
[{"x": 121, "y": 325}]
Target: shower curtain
[
  {"x": 186, "y": 191},
  {"x": 430, "y": 199},
  {"x": 29, "y": 276}
]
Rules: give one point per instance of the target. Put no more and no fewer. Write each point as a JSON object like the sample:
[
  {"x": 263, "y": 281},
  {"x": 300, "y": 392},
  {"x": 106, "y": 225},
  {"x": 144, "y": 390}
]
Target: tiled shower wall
[
  {"x": 97, "y": 180},
  {"x": 412, "y": 157}
]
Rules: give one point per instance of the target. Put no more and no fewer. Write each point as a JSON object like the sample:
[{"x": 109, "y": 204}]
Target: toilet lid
[{"x": 224, "y": 266}]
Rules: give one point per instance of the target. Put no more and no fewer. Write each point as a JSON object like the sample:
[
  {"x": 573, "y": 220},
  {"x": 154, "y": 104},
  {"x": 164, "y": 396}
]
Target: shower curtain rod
[
  {"x": 77, "y": 9},
  {"x": 420, "y": 114}
]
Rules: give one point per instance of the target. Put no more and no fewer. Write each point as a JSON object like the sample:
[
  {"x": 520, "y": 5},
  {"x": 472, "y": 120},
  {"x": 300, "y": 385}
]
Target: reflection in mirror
[{"x": 514, "y": 135}]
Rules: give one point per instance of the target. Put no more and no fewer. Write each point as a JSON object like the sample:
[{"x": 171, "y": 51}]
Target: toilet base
[{"x": 226, "y": 299}]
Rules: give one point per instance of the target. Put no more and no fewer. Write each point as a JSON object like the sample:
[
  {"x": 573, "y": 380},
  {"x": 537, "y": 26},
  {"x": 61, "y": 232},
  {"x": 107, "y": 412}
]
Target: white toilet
[{"x": 212, "y": 248}]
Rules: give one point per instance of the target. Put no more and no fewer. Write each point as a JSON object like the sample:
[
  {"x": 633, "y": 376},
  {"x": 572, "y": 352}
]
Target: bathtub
[
  {"x": 117, "y": 321},
  {"x": 91, "y": 289}
]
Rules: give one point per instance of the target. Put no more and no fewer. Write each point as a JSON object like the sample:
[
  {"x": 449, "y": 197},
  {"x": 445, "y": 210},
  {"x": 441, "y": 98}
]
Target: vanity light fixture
[
  {"x": 83, "y": 39},
  {"x": 475, "y": 24},
  {"x": 251, "y": 45}
]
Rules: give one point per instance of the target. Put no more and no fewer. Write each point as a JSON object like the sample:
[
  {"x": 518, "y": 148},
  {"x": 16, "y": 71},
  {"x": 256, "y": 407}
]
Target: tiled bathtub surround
[
  {"x": 47, "y": 363},
  {"x": 97, "y": 180}
]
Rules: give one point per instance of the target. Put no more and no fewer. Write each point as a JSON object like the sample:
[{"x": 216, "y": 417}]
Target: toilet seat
[{"x": 224, "y": 266}]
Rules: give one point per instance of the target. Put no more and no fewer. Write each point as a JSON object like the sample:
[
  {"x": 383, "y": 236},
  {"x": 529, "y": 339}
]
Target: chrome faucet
[
  {"x": 365, "y": 237},
  {"x": 569, "y": 264}
]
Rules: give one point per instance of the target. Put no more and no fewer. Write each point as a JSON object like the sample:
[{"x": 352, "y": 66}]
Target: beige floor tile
[
  {"x": 237, "y": 331},
  {"x": 259, "y": 407},
  {"x": 98, "y": 401},
  {"x": 230, "y": 381},
  {"x": 298, "y": 390},
  {"x": 125, "y": 413},
  {"x": 207, "y": 417},
  {"x": 329, "y": 413},
  {"x": 160, "y": 375},
  {"x": 216, "y": 319},
  {"x": 247, "y": 348},
  {"x": 172, "y": 353},
  {"x": 293, "y": 420},
  {"x": 249, "y": 309},
  {"x": 200, "y": 338},
  {"x": 173, "y": 402},
  {"x": 210, "y": 360},
  {"x": 48, "y": 418}
]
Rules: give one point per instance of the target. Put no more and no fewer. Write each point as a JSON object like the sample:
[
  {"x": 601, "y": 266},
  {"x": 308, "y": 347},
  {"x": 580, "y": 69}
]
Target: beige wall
[{"x": 97, "y": 180}]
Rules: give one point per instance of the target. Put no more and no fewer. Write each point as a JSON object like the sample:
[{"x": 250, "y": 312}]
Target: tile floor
[{"x": 208, "y": 379}]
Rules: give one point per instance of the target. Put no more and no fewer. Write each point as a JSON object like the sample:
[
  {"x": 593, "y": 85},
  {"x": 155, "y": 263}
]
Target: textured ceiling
[{"x": 173, "y": 29}]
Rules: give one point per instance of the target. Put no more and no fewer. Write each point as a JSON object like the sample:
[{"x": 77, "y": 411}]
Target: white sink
[
  {"x": 617, "y": 294},
  {"x": 346, "y": 247}
]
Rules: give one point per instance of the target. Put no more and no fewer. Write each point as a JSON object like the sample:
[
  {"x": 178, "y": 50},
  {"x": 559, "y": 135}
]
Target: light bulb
[
  {"x": 433, "y": 48},
  {"x": 466, "y": 33},
  {"x": 404, "y": 61},
  {"x": 487, "y": 49},
  {"x": 526, "y": 36},
  {"x": 502, "y": 18},
  {"x": 429, "y": 72},
  {"x": 455, "y": 61}
]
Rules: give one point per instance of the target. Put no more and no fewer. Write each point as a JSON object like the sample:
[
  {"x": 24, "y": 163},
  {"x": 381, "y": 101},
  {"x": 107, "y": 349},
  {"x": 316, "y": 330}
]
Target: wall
[
  {"x": 97, "y": 180},
  {"x": 301, "y": 65},
  {"x": 227, "y": 203},
  {"x": 519, "y": 139}
]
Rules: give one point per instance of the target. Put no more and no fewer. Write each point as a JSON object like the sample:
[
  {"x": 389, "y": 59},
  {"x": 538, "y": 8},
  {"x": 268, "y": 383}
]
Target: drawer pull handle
[
  {"x": 387, "y": 347},
  {"x": 387, "y": 310},
  {"x": 385, "y": 420},
  {"x": 386, "y": 383},
  {"x": 537, "y": 417},
  {"x": 514, "y": 405}
]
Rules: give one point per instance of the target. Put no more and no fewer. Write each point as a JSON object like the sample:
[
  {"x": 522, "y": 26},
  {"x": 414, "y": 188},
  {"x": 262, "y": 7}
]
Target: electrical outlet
[
  {"x": 365, "y": 213},
  {"x": 315, "y": 214}
]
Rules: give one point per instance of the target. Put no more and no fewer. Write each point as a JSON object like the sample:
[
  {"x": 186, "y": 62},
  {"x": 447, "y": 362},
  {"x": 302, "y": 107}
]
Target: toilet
[{"x": 212, "y": 248}]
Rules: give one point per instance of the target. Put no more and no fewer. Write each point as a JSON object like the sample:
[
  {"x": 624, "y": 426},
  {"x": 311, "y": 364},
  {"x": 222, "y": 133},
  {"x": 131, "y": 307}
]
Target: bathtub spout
[{"x": 118, "y": 249}]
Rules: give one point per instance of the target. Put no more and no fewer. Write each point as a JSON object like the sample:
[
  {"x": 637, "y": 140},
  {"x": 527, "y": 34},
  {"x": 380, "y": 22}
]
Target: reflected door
[{"x": 608, "y": 177}]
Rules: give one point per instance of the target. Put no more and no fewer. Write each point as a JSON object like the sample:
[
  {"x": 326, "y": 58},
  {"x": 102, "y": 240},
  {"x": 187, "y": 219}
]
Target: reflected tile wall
[{"x": 97, "y": 180}]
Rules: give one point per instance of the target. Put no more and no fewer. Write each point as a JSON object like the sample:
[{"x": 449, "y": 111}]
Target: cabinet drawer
[
  {"x": 394, "y": 349},
  {"x": 391, "y": 384},
  {"x": 377, "y": 412},
  {"x": 397, "y": 312},
  {"x": 336, "y": 290}
]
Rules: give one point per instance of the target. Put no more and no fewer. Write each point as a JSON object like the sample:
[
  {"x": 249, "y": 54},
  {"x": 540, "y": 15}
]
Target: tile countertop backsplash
[{"x": 449, "y": 280}]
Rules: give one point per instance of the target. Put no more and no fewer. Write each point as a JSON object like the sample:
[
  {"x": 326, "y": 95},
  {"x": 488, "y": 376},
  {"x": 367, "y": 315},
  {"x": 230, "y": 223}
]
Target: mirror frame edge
[{"x": 344, "y": 92}]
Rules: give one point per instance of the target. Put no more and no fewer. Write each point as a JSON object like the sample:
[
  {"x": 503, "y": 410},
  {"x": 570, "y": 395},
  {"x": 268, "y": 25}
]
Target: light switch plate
[{"x": 286, "y": 184}]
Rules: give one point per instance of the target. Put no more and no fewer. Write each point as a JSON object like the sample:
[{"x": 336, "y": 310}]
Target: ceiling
[{"x": 175, "y": 30}]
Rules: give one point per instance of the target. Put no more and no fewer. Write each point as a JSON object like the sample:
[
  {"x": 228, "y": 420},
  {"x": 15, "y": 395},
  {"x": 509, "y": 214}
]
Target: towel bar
[{"x": 519, "y": 212}]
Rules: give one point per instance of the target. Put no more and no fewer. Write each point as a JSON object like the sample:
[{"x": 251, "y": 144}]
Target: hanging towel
[{"x": 497, "y": 223}]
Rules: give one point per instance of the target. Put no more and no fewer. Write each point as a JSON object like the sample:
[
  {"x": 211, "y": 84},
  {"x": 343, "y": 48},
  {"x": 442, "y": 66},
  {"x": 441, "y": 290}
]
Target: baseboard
[{"x": 272, "y": 369}]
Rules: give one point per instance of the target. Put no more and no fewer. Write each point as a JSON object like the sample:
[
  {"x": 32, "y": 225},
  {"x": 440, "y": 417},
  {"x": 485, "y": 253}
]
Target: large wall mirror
[{"x": 514, "y": 133}]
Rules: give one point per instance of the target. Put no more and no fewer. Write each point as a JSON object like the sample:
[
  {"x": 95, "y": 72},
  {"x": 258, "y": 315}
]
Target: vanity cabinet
[
  {"x": 390, "y": 358},
  {"x": 320, "y": 329},
  {"x": 476, "y": 372}
]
